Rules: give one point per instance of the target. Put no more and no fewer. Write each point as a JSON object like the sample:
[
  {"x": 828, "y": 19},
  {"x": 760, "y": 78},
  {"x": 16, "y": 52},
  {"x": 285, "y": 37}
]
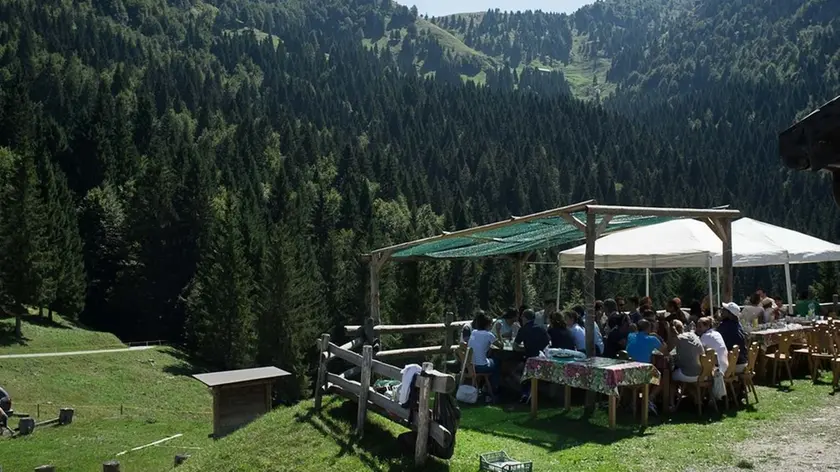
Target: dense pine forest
[{"x": 209, "y": 171}]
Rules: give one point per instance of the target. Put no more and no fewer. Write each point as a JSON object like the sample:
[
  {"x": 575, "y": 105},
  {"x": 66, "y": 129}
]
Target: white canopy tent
[{"x": 691, "y": 243}]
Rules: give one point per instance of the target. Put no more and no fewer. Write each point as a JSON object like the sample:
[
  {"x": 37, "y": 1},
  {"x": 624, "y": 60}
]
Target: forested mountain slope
[{"x": 210, "y": 171}]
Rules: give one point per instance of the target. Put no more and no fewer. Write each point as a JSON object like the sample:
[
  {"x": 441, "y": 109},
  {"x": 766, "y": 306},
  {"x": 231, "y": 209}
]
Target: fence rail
[{"x": 361, "y": 392}]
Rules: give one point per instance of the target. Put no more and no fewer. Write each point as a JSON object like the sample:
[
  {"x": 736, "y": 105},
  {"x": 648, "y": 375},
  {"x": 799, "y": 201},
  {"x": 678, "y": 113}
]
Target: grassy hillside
[
  {"x": 555, "y": 441},
  {"x": 121, "y": 400},
  {"x": 42, "y": 335}
]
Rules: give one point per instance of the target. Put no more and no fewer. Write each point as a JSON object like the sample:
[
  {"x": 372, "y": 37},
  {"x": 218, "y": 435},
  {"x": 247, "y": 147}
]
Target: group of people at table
[{"x": 636, "y": 329}]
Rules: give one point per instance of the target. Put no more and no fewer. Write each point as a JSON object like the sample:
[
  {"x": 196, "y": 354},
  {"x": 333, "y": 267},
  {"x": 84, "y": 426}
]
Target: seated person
[
  {"x": 640, "y": 345},
  {"x": 732, "y": 332},
  {"x": 535, "y": 339},
  {"x": 578, "y": 329},
  {"x": 481, "y": 339},
  {"x": 561, "y": 336},
  {"x": 674, "y": 311},
  {"x": 504, "y": 327},
  {"x": 711, "y": 339},
  {"x": 689, "y": 350},
  {"x": 617, "y": 339}
]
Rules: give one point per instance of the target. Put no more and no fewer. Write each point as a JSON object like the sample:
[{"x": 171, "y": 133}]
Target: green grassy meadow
[
  {"x": 555, "y": 441},
  {"x": 121, "y": 400}
]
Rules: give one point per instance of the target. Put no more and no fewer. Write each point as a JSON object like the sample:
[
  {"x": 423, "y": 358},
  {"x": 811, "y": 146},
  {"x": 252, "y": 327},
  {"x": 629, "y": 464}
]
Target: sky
[{"x": 447, "y": 7}]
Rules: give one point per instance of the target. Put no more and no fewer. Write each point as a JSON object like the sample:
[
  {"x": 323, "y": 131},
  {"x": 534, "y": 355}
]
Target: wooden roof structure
[
  {"x": 228, "y": 377},
  {"x": 588, "y": 219}
]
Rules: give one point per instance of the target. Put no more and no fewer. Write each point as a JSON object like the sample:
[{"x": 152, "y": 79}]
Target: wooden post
[
  {"x": 835, "y": 299},
  {"x": 217, "y": 412},
  {"x": 517, "y": 277},
  {"x": 65, "y": 416},
  {"x": 111, "y": 466},
  {"x": 423, "y": 417},
  {"x": 728, "y": 274},
  {"x": 535, "y": 396},
  {"x": 364, "y": 388},
  {"x": 589, "y": 295},
  {"x": 26, "y": 426},
  {"x": 645, "y": 400},
  {"x": 323, "y": 349},
  {"x": 374, "y": 289},
  {"x": 180, "y": 459},
  {"x": 448, "y": 335}
]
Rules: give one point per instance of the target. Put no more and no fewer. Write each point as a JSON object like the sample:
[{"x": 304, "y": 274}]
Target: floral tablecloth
[
  {"x": 599, "y": 374},
  {"x": 771, "y": 337}
]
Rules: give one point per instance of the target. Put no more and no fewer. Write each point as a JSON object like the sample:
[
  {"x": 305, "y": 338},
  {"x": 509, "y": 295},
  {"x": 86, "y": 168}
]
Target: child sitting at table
[{"x": 481, "y": 339}]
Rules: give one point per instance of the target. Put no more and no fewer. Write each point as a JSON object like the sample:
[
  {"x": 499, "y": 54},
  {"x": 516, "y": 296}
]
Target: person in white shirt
[
  {"x": 752, "y": 311},
  {"x": 711, "y": 339},
  {"x": 507, "y": 326},
  {"x": 481, "y": 339}
]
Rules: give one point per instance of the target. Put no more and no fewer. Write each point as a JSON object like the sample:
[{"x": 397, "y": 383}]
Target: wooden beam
[
  {"x": 589, "y": 295},
  {"x": 323, "y": 357},
  {"x": 410, "y": 328},
  {"x": 364, "y": 388},
  {"x": 602, "y": 226},
  {"x": 653, "y": 211},
  {"x": 728, "y": 273},
  {"x": 374, "y": 266},
  {"x": 713, "y": 224},
  {"x": 421, "y": 447},
  {"x": 415, "y": 351},
  {"x": 580, "y": 225},
  {"x": 517, "y": 277},
  {"x": 499, "y": 224}
]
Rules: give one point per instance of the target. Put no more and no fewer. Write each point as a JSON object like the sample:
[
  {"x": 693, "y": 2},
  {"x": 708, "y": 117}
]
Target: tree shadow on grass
[
  {"x": 8, "y": 337},
  {"x": 187, "y": 366},
  {"x": 378, "y": 445}
]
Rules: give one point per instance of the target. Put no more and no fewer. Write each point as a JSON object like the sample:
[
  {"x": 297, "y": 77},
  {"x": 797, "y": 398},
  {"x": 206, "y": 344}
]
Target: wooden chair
[
  {"x": 748, "y": 375},
  {"x": 822, "y": 349},
  {"x": 730, "y": 377},
  {"x": 468, "y": 372},
  {"x": 781, "y": 356},
  {"x": 704, "y": 380}
]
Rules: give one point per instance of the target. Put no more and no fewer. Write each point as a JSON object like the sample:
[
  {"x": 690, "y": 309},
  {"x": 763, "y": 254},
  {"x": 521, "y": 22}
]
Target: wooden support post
[
  {"x": 111, "y": 466},
  {"x": 26, "y": 426},
  {"x": 364, "y": 388},
  {"x": 65, "y": 416},
  {"x": 567, "y": 398},
  {"x": 645, "y": 397},
  {"x": 535, "y": 396},
  {"x": 589, "y": 295},
  {"x": 374, "y": 289},
  {"x": 448, "y": 335},
  {"x": 423, "y": 418},
  {"x": 612, "y": 408},
  {"x": 517, "y": 277},
  {"x": 835, "y": 299},
  {"x": 728, "y": 273},
  {"x": 323, "y": 356}
]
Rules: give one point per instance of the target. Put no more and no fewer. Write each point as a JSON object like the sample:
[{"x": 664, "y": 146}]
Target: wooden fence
[{"x": 430, "y": 381}]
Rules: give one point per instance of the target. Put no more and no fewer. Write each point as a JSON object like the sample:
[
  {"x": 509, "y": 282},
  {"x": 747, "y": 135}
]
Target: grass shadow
[
  {"x": 377, "y": 443},
  {"x": 553, "y": 429},
  {"x": 188, "y": 365}
]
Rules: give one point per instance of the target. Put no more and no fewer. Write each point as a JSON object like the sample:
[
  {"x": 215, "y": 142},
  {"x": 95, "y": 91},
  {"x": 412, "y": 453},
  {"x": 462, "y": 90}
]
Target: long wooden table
[{"x": 598, "y": 374}]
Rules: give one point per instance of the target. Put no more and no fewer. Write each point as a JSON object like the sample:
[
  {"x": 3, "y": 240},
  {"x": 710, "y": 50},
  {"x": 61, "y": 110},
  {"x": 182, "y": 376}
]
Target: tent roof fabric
[
  {"x": 691, "y": 243},
  {"x": 515, "y": 238}
]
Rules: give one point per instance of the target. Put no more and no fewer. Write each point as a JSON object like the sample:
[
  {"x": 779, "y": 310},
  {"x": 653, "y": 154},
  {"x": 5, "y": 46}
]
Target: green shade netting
[{"x": 527, "y": 236}]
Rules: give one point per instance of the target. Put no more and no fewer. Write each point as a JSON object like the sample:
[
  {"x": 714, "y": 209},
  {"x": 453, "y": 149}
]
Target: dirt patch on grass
[{"x": 804, "y": 443}]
